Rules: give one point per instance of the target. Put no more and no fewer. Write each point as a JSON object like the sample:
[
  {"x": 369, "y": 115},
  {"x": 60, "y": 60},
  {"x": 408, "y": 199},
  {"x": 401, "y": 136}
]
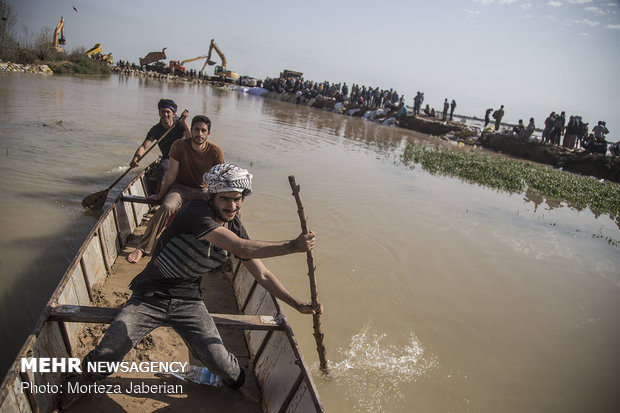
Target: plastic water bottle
[{"x": 200, "y": 375}]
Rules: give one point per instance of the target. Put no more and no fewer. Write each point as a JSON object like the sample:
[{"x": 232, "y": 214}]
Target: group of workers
[
  {"x": 205, "y": 195},
  {"x": 572, "y": 135},
  {"x": 576, "y": 133}
]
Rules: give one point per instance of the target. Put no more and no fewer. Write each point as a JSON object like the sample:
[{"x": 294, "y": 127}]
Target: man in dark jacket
[{"x": 498, "y": 115}]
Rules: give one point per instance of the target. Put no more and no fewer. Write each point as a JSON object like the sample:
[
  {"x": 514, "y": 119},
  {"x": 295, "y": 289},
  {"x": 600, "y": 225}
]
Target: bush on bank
[{"x": 79, "y": 66}]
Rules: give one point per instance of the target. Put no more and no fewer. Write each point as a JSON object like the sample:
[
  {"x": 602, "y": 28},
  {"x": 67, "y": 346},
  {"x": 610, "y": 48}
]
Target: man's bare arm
[
  {"x": 247, "y": 248},
  {"x": 135, "y": 161},
  {"x": 187, "y": 133},
  {"x": 271, "y": 283}
]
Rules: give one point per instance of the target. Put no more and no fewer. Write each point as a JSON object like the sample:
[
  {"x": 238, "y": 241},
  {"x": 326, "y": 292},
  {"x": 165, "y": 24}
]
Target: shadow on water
[
  {"x": 37, "y": 282},
  {"x": 21, "y": 304},
  {"x": 94, "y": 183},
  {"x": 39, "y": 279}
]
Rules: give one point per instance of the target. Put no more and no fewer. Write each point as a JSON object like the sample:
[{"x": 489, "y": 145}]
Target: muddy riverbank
[{"x": 580, "y": 162}]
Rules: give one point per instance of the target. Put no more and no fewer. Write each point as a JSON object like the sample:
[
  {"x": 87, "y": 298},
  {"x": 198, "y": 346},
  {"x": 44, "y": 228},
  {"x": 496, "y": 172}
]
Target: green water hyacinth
[{"x": 513, "y": 176}]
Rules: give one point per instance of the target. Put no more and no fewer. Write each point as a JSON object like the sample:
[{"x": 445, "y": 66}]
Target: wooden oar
[
  {"x": 97, "y": 200},
  {"x": 316, "y": 318}
]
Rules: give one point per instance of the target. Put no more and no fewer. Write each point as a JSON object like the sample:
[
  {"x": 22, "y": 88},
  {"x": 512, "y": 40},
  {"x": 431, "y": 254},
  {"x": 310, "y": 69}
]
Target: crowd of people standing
[
  {"x": 368, "y": 96},
  {"x": 573, "y": 135},
  {"x": 371, "y": 97}
]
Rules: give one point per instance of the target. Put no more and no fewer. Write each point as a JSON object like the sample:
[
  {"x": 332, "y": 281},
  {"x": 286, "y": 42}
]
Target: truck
[
  {"x": 95, "y": 53},
  {"x": 288, "y": 74},
  {"x": 153, "y": 57}
]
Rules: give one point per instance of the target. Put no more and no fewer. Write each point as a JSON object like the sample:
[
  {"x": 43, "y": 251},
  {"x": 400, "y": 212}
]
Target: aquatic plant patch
[{"x": 502, "y": 173}]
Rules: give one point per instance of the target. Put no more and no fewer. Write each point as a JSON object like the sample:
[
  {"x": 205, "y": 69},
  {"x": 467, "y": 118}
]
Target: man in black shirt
[
  {"x": 167, "y": 110},
  {"x": 200, "y": 238}
]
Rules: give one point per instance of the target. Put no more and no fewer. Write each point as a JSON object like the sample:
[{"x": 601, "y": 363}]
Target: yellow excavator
[
  {"x": 60, "y": 30},
  {"x": 221, "y": 73}
]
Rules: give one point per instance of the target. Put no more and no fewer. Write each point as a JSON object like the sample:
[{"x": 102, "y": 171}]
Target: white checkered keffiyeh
[{"x": 227, "y": 177}]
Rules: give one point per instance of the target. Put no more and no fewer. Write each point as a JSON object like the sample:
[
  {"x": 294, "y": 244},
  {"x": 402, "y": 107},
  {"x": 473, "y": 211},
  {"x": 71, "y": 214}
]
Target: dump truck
[
  {"x": 153, "y": 57},
  {"x": 95, "y": 53}
]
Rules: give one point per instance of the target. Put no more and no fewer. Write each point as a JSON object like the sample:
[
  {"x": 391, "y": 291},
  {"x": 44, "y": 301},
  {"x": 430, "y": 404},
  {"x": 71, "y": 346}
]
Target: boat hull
[{"x": 279, "y": 367}]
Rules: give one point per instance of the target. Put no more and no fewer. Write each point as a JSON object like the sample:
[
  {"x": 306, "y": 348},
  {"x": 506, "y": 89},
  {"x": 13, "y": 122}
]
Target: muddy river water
[{"x": 440, "y": 296}]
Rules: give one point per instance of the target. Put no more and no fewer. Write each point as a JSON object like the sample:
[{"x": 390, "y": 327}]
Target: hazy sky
[{"x": 534, "y": 57}]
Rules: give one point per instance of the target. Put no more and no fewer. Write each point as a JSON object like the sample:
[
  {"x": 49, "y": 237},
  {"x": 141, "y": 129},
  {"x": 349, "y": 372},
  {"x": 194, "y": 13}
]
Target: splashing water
[{"x": 372, "y": 372}]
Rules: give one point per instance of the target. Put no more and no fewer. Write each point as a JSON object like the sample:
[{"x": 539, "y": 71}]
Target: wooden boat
[{"x": 255, "y": 330}]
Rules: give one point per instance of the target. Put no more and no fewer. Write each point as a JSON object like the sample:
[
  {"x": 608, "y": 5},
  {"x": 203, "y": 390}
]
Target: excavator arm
[
  {"x": 210, "y": 62},
  {"x": 193, "y": 59},
  {"x": 60, "y": 30}
]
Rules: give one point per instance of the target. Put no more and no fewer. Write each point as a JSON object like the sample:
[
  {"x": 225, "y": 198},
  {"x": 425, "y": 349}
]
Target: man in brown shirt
[{"x": 190, "y": 159}]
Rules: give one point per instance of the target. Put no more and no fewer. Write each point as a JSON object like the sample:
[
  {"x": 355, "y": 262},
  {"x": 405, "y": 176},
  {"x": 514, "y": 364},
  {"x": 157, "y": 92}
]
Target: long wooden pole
[{"x": 316, "y": 318}]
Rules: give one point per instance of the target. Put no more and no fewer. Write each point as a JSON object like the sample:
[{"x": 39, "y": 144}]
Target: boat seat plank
[{"x": 105, "y": 315}]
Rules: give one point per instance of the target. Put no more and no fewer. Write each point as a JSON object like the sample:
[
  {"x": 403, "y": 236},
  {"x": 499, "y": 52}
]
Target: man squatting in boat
[{"x": 200, "y": 238}]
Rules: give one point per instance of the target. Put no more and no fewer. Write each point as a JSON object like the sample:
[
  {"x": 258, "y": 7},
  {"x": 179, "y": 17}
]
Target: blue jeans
[{"x": 189, "y": 318}]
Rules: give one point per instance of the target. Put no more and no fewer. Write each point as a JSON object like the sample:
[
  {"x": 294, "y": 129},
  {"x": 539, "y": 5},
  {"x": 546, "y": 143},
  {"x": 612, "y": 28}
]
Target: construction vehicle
[
  {"x": 180, "y": 69},
  {"x": 95, "y": 53},
  {"x": 247, "y": 81},
  {"x": 176, "y": 68},
  {"x": 60, "y": 30},
  {"x": 193, "y": 59},
  {"x": 221, "y": 73},
  {"x": 153, "y": 57},
  {"x": 93, "y": 50},
  {"x": 107, "y": 58},
  {"x": 287, "y": 74}
]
